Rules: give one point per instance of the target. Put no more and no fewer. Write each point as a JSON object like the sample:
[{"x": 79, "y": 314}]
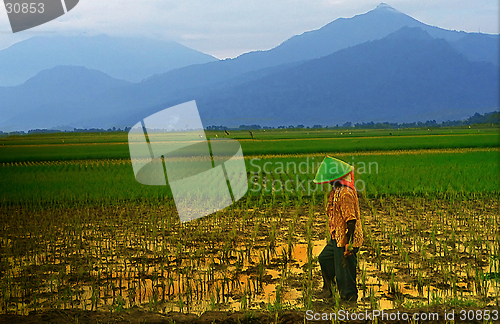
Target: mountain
[
  {"x": 132, "y": 59},
  {"x": 407, "y": 76},
  {"x": 276, "y": 86},
  {"x": 375, "y": 24},
  {"x": 339, "y": 34},
  {"x": 38, "y": 98}
]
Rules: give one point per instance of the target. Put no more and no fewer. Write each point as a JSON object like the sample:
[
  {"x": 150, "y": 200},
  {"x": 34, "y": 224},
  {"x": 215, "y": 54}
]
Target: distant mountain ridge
[
  {"x": 339, "y": 34},
  {"x": 345, "y": 32},
  {"x": 448, "y": 75},
  {"x": 404, "y": 77},
  {"x": 53, "y": 87},
  {"x": 132, "y": 59},
  {"x": 480, "y": 47}
]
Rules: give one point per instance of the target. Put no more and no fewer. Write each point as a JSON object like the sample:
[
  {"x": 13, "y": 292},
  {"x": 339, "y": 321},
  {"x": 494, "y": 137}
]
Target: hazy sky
[{"x": 227, "y": 28}]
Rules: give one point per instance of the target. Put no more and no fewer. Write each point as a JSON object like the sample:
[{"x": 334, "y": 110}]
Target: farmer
[{"x": 338, "y": 258}]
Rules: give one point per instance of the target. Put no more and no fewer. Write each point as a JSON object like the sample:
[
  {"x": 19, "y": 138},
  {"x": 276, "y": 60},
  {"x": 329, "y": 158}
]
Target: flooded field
[{"x": 260, "y": 254}]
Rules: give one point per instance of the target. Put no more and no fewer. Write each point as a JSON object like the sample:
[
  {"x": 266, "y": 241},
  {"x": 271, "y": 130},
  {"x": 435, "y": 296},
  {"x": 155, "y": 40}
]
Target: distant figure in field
[{"x": 338, "y": 258}]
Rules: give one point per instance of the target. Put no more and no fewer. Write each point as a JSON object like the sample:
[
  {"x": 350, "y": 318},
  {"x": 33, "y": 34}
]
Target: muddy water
[
  {"x": 242, "y": 291},
  {"x": 125, "y": 270}
]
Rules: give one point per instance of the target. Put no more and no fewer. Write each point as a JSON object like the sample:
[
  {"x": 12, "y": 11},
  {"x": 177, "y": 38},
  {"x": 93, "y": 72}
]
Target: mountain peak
[{"x": 385, "y": 6}]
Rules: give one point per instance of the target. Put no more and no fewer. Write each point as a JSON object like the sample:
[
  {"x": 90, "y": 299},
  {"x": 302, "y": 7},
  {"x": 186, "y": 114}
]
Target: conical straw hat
[{"x": 332, "y": 169}]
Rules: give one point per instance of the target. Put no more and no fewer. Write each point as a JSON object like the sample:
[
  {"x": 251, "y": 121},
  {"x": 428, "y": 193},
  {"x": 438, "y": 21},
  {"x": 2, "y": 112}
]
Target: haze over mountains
[
  {"x": 375, "y": 24},
  {"x": 379, "y": 66},
  {"x": 131, "y": 59},
  {"x": 423, "y": 78}
]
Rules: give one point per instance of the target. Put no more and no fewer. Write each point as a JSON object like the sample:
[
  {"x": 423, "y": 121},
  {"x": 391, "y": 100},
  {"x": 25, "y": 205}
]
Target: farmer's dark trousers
[{"x": 344, "y": 273}]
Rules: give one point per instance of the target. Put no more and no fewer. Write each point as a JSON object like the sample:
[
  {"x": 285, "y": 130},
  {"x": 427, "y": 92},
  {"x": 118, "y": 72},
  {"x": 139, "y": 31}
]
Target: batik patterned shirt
[{"x": 342, "y": 207}]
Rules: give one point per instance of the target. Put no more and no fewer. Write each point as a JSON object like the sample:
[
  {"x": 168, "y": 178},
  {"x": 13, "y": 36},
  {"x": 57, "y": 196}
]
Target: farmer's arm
[
  {"x": 351, "y": 225},
  {"x": 349, "y": 216}
]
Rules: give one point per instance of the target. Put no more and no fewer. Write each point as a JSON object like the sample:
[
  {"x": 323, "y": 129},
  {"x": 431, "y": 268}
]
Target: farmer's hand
[
  {"x": 347, "y": 249},
  {"x": 349, "y": 237},
  {"x": 347, "y": 252}
]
